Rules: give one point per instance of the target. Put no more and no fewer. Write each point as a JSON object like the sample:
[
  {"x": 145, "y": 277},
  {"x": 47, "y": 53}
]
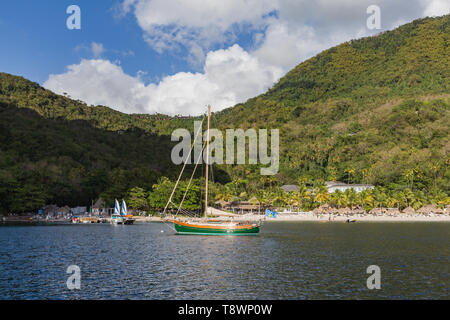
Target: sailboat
[
  {"x": 117, "y": 218},
  {"x": 127, "y": 219},
  {"x": 205, "y": 225}
]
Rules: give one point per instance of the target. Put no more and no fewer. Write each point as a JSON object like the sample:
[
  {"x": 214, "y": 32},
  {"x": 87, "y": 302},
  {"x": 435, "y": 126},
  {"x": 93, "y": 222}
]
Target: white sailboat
[
  {"x": 127, "y": 219},
  {"x": 117, "y": 218}
]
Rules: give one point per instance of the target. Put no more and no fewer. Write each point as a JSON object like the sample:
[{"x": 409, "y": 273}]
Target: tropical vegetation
[{"x": 374, "y": 110}]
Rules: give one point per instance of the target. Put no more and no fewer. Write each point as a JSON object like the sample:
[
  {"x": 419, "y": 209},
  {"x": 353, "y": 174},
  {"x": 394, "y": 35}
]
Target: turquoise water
[{"x": 286, "y": 261}]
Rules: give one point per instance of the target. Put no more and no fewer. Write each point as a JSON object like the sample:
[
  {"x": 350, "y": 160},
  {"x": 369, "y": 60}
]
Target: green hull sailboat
[
  {"x": 219, "y": 230},
  {"x": 207, "y": 226}
]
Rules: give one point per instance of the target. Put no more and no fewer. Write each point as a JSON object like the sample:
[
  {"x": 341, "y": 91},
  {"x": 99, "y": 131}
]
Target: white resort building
[{"x": 332, "y": 186}]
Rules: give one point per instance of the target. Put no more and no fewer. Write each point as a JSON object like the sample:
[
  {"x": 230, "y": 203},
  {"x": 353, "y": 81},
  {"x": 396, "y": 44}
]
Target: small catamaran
[
  {"x": 127, "y": 218},
  {"x": 116, "y": 218},
  {"x": 121, "y": 217},
  {"x": 206, "y": 225}
]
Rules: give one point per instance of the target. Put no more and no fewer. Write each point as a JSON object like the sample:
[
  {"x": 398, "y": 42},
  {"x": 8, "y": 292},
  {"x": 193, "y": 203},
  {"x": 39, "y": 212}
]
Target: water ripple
[{"x": 286, "y": 261}]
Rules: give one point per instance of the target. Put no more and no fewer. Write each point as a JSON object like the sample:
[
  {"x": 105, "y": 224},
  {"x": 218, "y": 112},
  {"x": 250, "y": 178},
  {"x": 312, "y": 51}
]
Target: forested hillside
[{"x": 374, "y": 110}]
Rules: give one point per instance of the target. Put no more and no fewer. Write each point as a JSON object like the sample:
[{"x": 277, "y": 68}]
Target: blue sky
[
  {"x": 176, "y": 56},
  {"x": 36, "y": 41}
]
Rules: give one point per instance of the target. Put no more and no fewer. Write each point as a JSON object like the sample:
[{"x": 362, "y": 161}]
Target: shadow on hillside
[{"x": 72, "y": 162}]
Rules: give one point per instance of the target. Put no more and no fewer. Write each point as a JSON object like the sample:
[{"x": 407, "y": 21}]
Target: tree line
[{"x": 305, "y": 199}]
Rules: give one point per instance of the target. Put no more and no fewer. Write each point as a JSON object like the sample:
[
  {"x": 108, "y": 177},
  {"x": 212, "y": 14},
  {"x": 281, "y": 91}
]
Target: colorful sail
[
  {"x": 124, "y": 208},
  {"x": 117, "y": 208}
]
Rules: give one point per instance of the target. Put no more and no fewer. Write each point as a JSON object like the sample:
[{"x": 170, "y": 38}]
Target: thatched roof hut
[
  {"x": 324, "y": 209},
  {"x": 377, "y": 211},
  {"x": 409, "y": 210},
  {"x": 64, "y": 210},
  {"x": 438, "y": 210},
  {"x": 319, "y": 210},
  {"x": 392, "y": 211},
  {"x": 332, "y": 210},
  {"x": 344, "y": 211},
  {"x": 253, "y": 200},
  {"x": 358, "y": 210},
  {"x": 431, "y": 208},
  {"x": 222, "y": 203}
]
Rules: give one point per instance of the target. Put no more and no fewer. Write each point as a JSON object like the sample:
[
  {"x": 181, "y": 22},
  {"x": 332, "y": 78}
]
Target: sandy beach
[
  {"x": 371, "y": 218},
  {"x": 312, "y": 217}
]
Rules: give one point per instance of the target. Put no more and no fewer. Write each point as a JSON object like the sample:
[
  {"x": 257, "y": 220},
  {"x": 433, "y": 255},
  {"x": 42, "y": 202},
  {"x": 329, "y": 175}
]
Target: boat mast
[{"x": 207, "y": 165}]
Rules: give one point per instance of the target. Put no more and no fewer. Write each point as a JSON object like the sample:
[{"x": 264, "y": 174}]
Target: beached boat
[
  {"x": 206, "y": 226},
  {"x": 75, "y": 219}
]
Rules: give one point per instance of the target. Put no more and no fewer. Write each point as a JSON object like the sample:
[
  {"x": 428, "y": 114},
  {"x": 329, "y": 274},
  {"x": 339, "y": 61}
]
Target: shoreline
[
  {"x": 281, "y": 217},
  {"x": 311, "y": 217}
]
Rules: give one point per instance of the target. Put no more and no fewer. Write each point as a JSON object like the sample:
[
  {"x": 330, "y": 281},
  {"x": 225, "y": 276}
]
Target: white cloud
[
  {"x": 100, "y": 82},
  {"x": 285, "y": 33},
  {"x": 286, "y": 46},
  {"x": 97, "y": 49},
  {"x": 230, "y": 76},
  {"x": 196, "y": 24},
  {"x": 437, "y": 8}
]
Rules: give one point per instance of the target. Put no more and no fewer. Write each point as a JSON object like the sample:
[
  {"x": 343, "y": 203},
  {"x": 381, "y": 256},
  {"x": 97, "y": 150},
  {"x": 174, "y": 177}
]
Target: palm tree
[
  {"x": 351, "y": 197},
  {"x": 391, "y": 201},
  {"x": 338, "y": 198},
  {"x": 266, "y": 198},
  {"x": 366, "y": 199},
  {"x": 289, "y": 199},
  {"x": 224, "y": 194},
  {"x": 279, "y": 198},
  {"x": 418, "y": 199},
  {"x": 321, "y": 195},
  {"x": 400, "y": 200},
  {"x": 380, "y": 197},
  {"x": 260, "y": 199},
  {"x": 409, "y": 197},
  {"x": 364, "y": 173},
  {"x": 441, "y": 199},
  {"x": 350, "y": 171},
  {"x": 300, "y": 196},
  {"x": 435, "y": 169}
]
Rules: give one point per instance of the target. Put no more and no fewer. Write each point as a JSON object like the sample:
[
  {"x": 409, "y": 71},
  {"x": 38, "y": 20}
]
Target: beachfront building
[
  {"x": 52, "y": 211},
  {"x": 98, "y": 206},
  {"x": 77, "y": 211},
  {"x": 332, "y": 186},
  {"x": 240, "y": 207}
]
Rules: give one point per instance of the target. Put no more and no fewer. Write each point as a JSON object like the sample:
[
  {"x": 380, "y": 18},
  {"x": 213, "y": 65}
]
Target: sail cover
[
  {"x": 124, "y": 208},
  {"x": 216, "y": 212}
]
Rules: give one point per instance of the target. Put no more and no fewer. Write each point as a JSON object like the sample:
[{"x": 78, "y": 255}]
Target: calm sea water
[{"x": 286, "y": 261}]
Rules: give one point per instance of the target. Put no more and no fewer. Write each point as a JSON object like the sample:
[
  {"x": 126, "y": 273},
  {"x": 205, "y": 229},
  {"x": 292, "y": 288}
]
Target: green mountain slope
[
  {"x": 70, "y": 162},
  {"x": 374, "y": 110},
  {"x": 26, "y": 94},
  {"x": 377, "y": 107}
]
